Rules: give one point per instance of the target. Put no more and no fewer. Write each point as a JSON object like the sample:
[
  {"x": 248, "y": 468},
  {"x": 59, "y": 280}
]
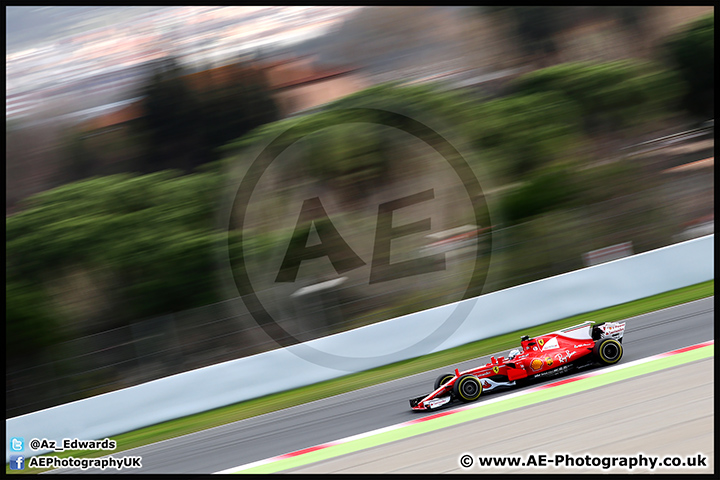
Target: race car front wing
[{"x": 429, "y": 404}]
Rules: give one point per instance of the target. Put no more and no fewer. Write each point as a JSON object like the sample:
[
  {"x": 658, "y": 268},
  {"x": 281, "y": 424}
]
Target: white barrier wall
[{"x": 397, "y": 339}]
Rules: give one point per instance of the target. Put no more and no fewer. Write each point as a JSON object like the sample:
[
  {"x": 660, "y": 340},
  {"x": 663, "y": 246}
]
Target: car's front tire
[
  {"x": 467, "y": 388},
  {"x": 442, "y": 379},
  {"x": 608, "y": 351}
]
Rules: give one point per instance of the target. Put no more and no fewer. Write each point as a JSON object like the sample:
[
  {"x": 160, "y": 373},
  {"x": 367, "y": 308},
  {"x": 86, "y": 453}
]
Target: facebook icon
[{"x": 17, "y": 462}]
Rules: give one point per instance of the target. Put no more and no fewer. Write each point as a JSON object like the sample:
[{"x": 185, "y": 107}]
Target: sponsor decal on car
[
  {"x": 564, "y": 358},
  {"x": 541, "y": 342},
  {"x": 549, "y": 361},
  {"x": 436, "y": 402},
  {"x": 552, "y": 343},
  {"x": 613, "y": 328},
  {"x": 496, "y": 369},
  {"x": 555, "y": 371},
  {"x": 536, "y": 364}
]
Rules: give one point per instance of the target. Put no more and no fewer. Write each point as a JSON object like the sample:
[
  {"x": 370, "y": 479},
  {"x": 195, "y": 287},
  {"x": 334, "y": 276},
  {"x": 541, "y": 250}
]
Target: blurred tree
[
  {"x": 692, "y": 52},
  {"x": 427, "y": 100},
  {"x": 153, "y": 233},
  {"x": 170, "y": 116},
  {"x": 610, "y": 95},
  {"x": 355, "y": 156},
  {"x": 536, "y": 27},
  {"x": 29, "y": 323},
  {"x": 527, "y": 131},
  {"x": 81, "y": 162},
  {"x": 543, "y": 192},
  {"x": 611, "y": 180},
  {"x": 187, "y": 120},
  {"x": 232, "y": 109}
]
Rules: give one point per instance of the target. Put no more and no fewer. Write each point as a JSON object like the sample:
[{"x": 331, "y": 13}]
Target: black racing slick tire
[
  {"x": 608, "y": 351},
  {"x": 467, "y": 388},
  {"x": 443, "y": 379}
]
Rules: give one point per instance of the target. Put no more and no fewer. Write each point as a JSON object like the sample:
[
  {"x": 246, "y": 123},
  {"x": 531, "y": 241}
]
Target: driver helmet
[{"x": 513, "y": 353}]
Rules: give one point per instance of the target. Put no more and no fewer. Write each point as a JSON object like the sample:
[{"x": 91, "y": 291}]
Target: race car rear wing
[
  {"x": 588, "y": 330},
  {"x": 614, "y": 330}
]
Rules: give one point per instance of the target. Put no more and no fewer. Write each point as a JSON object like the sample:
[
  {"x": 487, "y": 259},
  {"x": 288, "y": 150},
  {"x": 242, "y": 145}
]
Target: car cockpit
[{"x": 528, "y": 343}]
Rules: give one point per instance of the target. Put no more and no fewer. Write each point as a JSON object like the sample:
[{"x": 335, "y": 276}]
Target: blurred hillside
[
  {"x": 433, "y": 39},
  {"x": 127, "y": 269}
]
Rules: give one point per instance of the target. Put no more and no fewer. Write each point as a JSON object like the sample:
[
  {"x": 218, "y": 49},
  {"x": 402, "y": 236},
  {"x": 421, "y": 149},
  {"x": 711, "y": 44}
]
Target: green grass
[{"x": 278, "y": 401}]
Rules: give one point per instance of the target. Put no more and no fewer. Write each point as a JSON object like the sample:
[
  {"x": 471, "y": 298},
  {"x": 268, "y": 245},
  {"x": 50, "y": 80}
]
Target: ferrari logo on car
[
  {"x": 541, "y": 342},
  {"x": 496, "y": 369}
]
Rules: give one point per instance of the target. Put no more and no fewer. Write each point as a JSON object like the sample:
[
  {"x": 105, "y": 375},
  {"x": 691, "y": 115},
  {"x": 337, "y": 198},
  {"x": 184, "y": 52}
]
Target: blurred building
[
  {"x": 114, "y": 120},
  {"x": 299, "y": 84}
]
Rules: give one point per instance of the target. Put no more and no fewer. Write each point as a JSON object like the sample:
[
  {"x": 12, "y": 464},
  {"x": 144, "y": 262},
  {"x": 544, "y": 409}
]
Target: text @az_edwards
[{"x": 71, "y": 444}]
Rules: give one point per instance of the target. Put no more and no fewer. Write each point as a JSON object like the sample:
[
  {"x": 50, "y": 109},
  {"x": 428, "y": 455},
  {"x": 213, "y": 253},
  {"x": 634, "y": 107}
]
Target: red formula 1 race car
[{"x": 548, "y": 355}]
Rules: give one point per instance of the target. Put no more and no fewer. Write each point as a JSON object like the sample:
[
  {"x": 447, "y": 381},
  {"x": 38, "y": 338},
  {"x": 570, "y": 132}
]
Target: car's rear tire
[
  {"x": 467, "y": 388},
  {"x": 443, "y": 379},
  {"x": 608, "y": 351}
]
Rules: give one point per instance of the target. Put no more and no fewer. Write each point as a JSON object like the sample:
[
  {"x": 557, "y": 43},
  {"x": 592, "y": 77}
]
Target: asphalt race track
[
  {"x": 378, "y": 406},
  {"x": 604, "y": 421}
]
